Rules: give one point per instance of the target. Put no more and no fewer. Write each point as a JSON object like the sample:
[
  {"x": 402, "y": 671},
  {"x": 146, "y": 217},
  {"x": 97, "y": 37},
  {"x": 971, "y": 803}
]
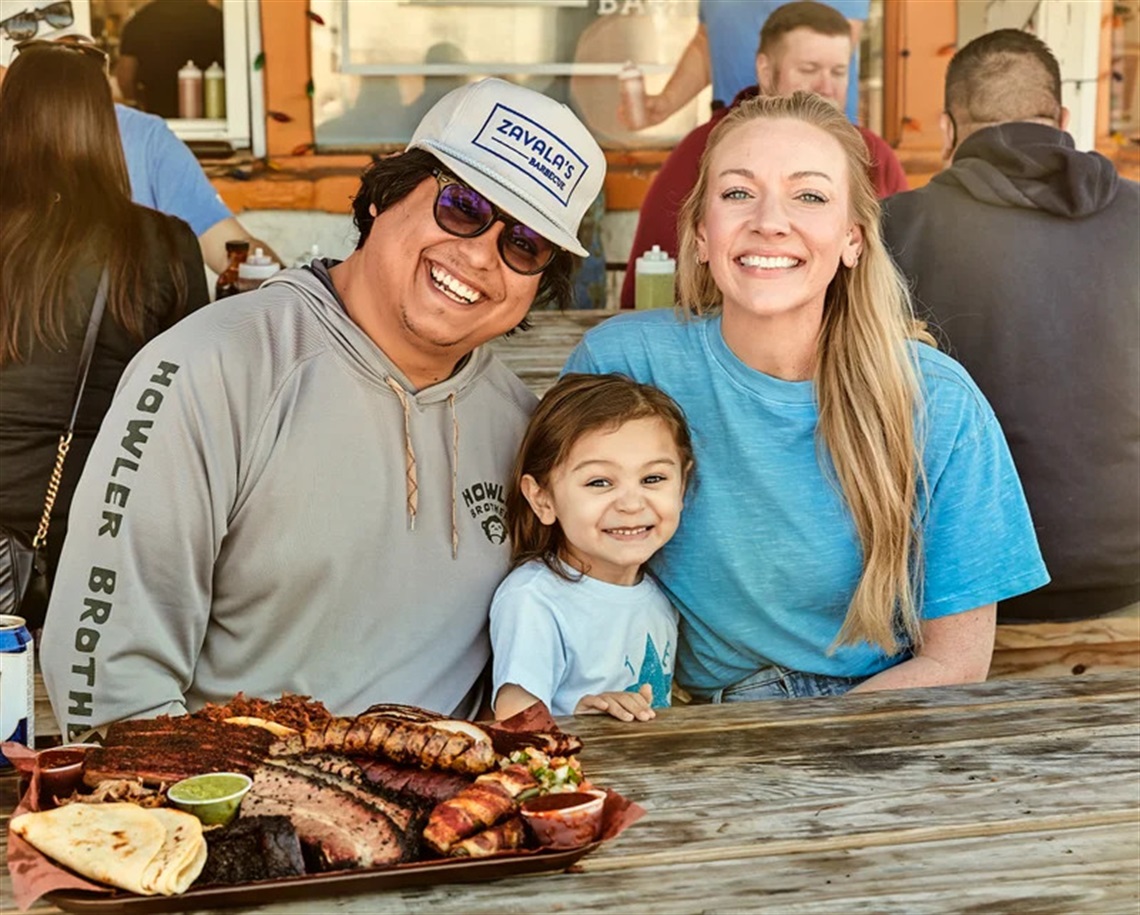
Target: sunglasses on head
[
  {"x": 464, "y": 212},
  {"x": 79, "y": 43},
  {"x": 24, "y": 25}
]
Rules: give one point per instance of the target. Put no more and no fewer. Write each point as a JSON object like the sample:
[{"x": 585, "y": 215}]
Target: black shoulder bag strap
[{"x": 65, "y": 439}]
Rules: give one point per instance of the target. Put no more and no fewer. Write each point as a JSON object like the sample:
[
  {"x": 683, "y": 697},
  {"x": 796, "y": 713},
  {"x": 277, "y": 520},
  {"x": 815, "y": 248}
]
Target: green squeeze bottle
[{"x": 653, "y": 280}]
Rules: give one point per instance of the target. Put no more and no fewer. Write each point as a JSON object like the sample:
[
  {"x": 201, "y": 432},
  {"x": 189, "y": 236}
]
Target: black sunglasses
[
  {"x": 464, "y": 212},
  {"x": 24, "y": 25}
]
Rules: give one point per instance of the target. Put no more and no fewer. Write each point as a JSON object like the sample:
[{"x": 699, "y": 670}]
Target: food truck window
[
  {"x": 378, "y": 67},
  {"x": 185, "y": 60}
]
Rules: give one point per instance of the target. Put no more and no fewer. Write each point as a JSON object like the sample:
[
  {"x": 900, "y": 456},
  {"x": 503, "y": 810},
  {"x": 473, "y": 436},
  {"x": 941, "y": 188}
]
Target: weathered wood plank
[
  {"x": 1065, "y": 660},
  {"x": 1105, "y": 692},
  {"x": 1088, "y": 870},
  {"x": 719, "y": 807},
  {"x": 1123, "y": 629}
]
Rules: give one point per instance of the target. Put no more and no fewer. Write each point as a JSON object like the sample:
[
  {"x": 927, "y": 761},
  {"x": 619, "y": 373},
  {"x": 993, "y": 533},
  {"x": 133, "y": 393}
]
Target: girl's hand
[{"x": 623, "y": 706}]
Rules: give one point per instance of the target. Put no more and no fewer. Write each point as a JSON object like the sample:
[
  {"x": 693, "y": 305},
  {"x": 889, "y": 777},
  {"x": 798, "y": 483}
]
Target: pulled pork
[{"x": 292, "y": 711}]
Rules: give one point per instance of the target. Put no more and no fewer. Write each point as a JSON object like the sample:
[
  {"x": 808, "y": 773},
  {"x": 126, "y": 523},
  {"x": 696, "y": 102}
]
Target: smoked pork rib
[{"x": 165, "y": 750}]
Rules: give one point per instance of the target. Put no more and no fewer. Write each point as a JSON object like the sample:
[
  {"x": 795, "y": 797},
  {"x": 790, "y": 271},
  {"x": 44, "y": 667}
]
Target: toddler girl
[{"x": 597, "y": 489}]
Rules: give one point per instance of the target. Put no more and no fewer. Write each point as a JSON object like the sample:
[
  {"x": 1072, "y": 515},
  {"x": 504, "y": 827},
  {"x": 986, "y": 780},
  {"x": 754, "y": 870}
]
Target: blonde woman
[{"x": 857, "y": 515}]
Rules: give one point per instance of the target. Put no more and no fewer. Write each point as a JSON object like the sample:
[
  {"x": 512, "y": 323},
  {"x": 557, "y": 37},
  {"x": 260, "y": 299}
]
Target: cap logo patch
[{"x": 533, "y": 150}]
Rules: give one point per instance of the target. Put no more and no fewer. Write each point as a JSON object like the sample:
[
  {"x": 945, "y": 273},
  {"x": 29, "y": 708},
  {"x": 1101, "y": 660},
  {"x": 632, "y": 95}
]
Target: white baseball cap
[{"x": 526, "y": 153}]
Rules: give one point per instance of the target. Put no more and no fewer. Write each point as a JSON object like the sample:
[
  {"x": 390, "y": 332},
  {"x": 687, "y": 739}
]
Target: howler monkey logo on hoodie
[{"x": 486, "y": 503}]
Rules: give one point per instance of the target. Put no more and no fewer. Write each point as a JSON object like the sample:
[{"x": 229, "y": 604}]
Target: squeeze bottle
[
  {"x": 215, "y": 91},
  {"x": 258, "y": 267},
  {"x": 653, "y": 279},
  {"x": 189, "y": 91}
]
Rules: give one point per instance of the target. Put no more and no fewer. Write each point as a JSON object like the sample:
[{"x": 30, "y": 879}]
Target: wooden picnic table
[{"x": 1013, "y": 795}]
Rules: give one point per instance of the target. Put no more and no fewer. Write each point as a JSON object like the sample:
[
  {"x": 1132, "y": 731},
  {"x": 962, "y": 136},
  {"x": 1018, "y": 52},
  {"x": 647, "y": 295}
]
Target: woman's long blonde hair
[{"x": 866, "y": 382}]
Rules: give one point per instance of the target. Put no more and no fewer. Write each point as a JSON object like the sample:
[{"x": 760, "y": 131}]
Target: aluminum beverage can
[{"x": 17, "y": 691}]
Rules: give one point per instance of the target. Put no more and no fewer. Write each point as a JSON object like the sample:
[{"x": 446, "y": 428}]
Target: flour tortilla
[
  {"x": 110, "y": 843},
  {"x": 144, "y": 851},
  {"x": 183, "y": 853}
]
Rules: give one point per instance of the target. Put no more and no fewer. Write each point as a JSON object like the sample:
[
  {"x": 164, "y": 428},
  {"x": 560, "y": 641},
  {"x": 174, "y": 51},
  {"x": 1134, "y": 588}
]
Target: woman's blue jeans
[{"x": 776, "y": 682}]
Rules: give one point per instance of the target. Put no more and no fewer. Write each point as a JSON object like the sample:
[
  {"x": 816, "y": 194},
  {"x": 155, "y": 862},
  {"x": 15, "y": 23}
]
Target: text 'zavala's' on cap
[{"x": 526, "y": 153}]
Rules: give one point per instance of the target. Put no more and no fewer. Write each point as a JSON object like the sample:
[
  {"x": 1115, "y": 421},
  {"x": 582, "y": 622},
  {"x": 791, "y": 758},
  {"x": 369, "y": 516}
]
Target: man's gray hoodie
[
  {"x": 271, "y": 507},
  {"x": 1025, "y": 254}
]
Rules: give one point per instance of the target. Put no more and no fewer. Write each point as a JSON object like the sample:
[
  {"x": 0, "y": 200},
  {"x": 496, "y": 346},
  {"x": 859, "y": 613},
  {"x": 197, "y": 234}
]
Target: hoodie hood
[
  {"x": 1032, "y": 166},
  {"x": 368, "y": 360},
  {"x": 361, "y": 351}
]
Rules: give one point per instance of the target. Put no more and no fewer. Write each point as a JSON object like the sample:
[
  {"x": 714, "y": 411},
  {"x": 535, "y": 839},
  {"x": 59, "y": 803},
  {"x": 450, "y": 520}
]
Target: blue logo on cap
[{"x": 533, "y": 150}]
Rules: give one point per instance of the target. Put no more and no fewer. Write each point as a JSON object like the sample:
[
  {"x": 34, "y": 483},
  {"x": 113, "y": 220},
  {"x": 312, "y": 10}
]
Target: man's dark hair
[
  {"x": 1007, "y": 75},
  {"x": 804, "y": 14},
  {"x": 388, "y": 181}
]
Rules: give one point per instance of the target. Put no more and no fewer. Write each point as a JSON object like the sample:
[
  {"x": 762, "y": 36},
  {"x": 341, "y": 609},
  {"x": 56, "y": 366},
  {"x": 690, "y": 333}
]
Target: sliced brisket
[{"x": 347, "y": 828}]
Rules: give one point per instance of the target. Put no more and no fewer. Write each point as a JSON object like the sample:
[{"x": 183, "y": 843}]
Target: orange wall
[{"x": 927, "y": 31}]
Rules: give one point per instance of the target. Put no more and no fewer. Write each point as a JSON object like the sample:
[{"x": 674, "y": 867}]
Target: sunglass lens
[
  {"x": 20, "y": 27},
  {"x": 462, "y": 211},
  {"x": 58, "y": 15},
  {"x": 525, "y": 250}
]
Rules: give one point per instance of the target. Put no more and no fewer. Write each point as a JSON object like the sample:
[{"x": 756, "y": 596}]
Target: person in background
[
  {"x": 597, "y": 489},
  {"x": 166, "y": 176},
  {"x": 858, "y": 514},
  {"x": 312, "y": 467},
  {"x": 1024, "y": 254},
  {"x": 722, "y": 52},
  {"x": 68, "y": 214},
  {"x": 803, "y": 46},
  {"x": 156, "y": 43}
]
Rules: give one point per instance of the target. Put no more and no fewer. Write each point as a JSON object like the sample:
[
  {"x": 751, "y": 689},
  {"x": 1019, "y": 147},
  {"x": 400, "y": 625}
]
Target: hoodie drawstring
[
  {"x": 454, "y": 476},
  {"x": 410, "y": 476},
  {"x": 411, "y": 483}
]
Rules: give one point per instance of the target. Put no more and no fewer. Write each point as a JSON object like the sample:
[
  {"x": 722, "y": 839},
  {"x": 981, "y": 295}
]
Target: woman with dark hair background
[{"x": 66, "y": 210}]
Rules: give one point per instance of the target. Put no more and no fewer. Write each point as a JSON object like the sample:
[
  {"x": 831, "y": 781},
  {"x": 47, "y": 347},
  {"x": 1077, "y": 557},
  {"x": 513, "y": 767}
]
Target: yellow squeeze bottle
[{"x": 653, "y": 280}]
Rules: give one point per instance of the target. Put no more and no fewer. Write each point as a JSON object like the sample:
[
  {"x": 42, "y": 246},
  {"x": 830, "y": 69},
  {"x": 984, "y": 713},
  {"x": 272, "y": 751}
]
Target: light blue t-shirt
[
  {"x": 766, "y": 559},
  {"x": 561, "y": 640},
  {"x": 733, "y": 29},
  {"x": 164, "y": 174}
]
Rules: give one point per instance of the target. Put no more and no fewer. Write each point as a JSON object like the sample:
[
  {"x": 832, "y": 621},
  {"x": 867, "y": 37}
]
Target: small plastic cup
[
  {"x": 566, "y": 820},
  {"x": 61, "y": 771},
  {"x": 214, "y": 797}
]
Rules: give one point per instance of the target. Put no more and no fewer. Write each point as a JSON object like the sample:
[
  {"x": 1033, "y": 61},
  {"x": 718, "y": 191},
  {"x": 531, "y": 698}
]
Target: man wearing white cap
[{"x": 290, "y": 493}]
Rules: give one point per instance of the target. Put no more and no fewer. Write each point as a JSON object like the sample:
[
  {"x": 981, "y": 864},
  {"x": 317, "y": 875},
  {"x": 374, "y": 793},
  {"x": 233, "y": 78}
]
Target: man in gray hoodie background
[
  {"x": 291, "y": 490},
  {"x": 1023, "y": 255}
]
